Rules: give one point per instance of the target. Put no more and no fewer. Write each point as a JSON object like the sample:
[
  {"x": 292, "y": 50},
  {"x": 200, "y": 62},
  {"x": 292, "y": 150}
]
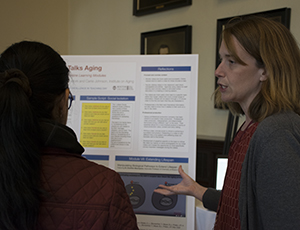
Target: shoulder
[
  {"x": 63, "y": 166},
  {"x": 278, "y": 123},
  {"x": 276, "y": 132},
  {"x": 97, "y": 172},
  {"x": 83, "y": 180},
  {"x": 281, "y": 120}
]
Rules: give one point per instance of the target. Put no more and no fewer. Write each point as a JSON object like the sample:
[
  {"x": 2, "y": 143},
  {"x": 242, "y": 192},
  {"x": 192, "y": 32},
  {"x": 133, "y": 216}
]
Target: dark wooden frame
[
  {"x": 143, "y": 7},
  {"x": 178, "y": 39}
]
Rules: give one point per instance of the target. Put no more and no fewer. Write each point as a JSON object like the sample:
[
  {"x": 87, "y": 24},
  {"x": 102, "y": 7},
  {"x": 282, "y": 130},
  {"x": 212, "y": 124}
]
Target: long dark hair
[{"x": 32, "y": 76}]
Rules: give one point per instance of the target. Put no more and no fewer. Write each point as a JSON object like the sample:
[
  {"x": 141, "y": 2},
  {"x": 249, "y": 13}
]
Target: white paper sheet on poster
[{"x": 137, "y": 115}]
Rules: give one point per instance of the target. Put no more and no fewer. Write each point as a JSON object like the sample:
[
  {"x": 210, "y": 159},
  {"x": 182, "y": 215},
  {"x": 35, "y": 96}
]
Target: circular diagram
[
  {"x": 162, "y": 202},
  {"x": 136, "y": 194}
]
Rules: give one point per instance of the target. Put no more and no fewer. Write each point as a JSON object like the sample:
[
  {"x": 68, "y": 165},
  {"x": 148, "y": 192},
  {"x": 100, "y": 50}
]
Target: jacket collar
[{"x": 59, "y": 136}]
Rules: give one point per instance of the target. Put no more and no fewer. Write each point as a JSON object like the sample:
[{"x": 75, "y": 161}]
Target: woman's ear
[
  {"x": 60, "y": 110},
  {"x": 264, "y": 75},
  {"x": 64, "y": 101}
]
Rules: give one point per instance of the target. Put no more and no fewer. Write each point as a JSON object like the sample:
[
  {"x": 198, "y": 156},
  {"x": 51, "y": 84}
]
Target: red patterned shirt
[{"x": 228, "y": 212}]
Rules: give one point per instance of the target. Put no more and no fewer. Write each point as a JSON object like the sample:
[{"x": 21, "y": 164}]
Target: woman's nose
[{"x": 219, "y": 71}]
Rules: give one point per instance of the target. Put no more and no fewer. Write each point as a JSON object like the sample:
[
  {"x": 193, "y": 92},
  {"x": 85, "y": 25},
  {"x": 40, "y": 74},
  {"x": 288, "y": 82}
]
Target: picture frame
[
  {"x": 175, "y": 40},
  {"x": 282, "y": 15},
  {"x": 143, "y": 7}
]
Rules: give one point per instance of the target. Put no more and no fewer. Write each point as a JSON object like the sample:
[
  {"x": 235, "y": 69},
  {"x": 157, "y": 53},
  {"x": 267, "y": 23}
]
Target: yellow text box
[{"x": 95, "y": 123}]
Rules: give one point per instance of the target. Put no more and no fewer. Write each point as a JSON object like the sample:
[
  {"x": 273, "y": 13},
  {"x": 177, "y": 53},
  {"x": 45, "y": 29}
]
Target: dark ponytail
[
  {"x": 32, "y": 76},
  {"x": 19, "y": 172}
]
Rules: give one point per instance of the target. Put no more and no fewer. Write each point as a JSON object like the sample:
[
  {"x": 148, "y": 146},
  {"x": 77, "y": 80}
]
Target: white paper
[{"x": 137, "y": 115}]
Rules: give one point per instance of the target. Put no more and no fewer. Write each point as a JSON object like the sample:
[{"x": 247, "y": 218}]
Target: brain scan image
[
  {"x": 140, "y": 189},
  {"x": 162, "y": 202},
  {"x": 136, "y": 194}
]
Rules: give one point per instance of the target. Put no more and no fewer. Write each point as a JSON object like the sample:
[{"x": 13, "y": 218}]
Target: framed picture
[
  {"x": 176, "y": 40},
  {"x": 282, "y": 15},
  {"x": 142, "y": 7}
]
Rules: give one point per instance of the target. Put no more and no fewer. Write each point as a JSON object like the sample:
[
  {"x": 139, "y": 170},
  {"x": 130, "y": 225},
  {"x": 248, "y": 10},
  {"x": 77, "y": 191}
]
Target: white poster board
[{"x": 137, "y": 115}]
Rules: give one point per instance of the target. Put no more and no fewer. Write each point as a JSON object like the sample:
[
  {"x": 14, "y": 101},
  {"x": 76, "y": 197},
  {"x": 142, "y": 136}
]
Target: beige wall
[
  {"x": 107, "y": 27},
  {"x": 39, "y": 20}
]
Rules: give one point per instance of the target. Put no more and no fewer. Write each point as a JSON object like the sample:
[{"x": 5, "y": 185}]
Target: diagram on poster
[
  {"x": 137, "y": 115},
  {"x": 140, "y": 188}
]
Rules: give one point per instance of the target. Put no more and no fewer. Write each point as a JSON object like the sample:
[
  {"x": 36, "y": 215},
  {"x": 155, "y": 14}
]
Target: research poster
[{"x": 137, "y": 115}]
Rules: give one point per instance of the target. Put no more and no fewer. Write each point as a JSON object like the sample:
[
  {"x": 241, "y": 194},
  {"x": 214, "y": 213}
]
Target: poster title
[{"x": 89, "y": 68}]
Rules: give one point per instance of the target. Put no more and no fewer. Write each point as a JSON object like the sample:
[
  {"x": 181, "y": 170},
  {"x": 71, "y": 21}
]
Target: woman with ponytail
[{"x": 45, "y": 183}]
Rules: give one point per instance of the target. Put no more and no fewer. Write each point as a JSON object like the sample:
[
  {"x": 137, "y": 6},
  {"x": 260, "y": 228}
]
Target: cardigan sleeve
[
  {"x": 211, "y": 199},
  {"x": 269, "y": 195},
  {"x": 277, "y": 183}
]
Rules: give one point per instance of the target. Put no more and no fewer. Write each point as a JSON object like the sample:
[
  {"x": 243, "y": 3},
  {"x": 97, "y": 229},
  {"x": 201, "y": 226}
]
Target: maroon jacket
[{"x": 79, "y": 194}]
